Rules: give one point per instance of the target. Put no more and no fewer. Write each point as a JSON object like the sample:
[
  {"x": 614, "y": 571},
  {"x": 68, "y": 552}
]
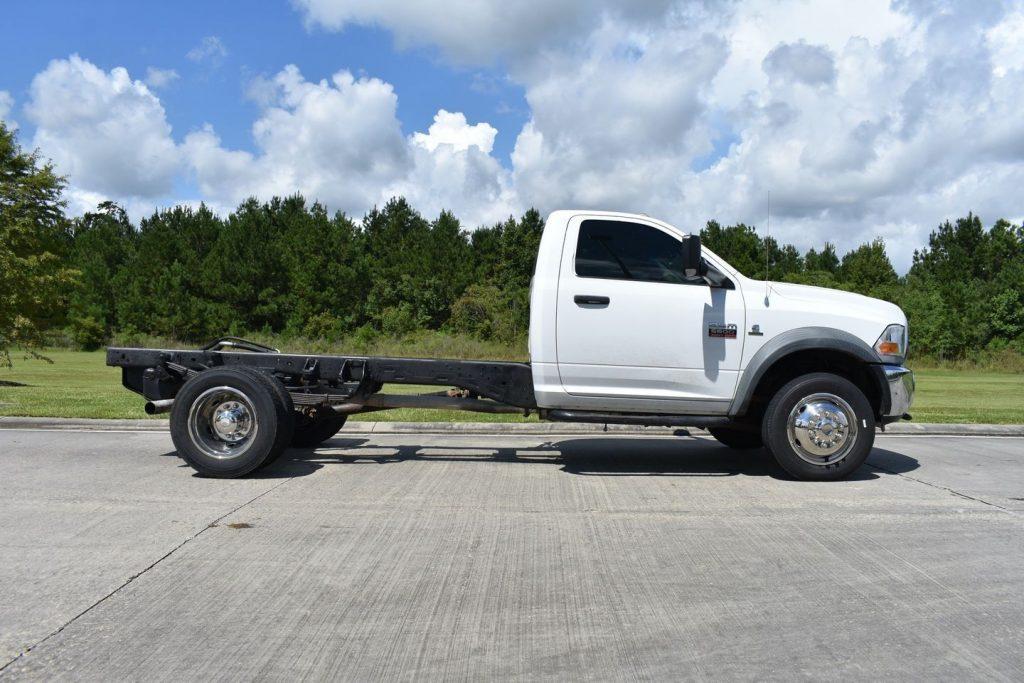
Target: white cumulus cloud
[
  {"x": 6, "y": 105},
  {"x": 106, "y": 132},
  {"x": 337, "y": 141},
  {"x": 160, "y": 78},
  {"x": 803, "y": 63},
  {"x": 451, "y": 128},
  {"x": 480, "y": 30},
  {"x": 452, "y": 168},
  {"x": 210, "y": 50}
]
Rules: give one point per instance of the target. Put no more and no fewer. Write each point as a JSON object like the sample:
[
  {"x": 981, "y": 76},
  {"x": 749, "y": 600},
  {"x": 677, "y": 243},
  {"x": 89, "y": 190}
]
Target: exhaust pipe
[{"x": 157, "y": 407}]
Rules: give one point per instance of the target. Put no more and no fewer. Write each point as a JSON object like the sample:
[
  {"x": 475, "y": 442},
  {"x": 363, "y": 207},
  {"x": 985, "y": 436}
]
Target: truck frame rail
[{"x": 348, "y": 384}]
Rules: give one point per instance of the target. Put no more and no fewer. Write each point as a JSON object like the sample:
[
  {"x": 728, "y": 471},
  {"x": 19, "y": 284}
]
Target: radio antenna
[{"x": 767, "y": 233}]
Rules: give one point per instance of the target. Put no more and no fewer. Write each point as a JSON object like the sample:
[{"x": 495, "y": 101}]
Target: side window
[{"x": 619, "y": 250}]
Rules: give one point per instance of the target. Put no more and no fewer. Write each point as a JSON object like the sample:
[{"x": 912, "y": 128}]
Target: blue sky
[
  {"x": 260, "y": 38},
  {"x": 864, "y": 120}
]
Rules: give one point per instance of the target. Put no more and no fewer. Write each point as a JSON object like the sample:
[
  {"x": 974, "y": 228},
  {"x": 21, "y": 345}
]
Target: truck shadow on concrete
[{"x": 582, "y": 456}]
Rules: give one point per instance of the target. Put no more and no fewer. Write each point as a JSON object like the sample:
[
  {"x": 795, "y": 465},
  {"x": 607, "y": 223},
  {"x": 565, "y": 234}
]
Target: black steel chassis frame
[{"x": 345, "y": 382}]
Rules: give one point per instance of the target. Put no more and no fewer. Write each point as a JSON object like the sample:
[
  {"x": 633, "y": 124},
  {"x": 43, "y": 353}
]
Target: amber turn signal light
[{"x": 888, "y": 347}]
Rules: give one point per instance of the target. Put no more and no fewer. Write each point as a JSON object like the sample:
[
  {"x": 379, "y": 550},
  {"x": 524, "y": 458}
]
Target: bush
[
  {"x": 88, "y": 333},
  {"x": 400, "y": 320},
  {"x": 323, "y": 326},
  {"x": 364, "y": 337},
  {"x": 473, "y": 313},
  {"x": 485, "y": 312}
]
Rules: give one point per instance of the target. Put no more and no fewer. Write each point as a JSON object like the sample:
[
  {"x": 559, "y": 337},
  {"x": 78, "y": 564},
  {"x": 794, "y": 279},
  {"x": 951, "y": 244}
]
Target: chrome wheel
[
  {"x": 822, "y": 428},
  {"x": 222, "y": 422}
]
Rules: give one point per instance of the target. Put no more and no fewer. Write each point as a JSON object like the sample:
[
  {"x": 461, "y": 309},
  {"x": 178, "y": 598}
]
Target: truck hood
[
  {"x": 861, "y": 315},
  {"x": 848, "y": 302}
]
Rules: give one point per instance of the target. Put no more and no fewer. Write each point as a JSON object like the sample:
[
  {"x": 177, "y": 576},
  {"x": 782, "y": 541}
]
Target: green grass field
[{"x": 78, "y": 384}]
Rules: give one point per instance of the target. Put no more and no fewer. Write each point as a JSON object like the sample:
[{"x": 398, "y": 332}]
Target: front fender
[{"x": 806, "y": 340}]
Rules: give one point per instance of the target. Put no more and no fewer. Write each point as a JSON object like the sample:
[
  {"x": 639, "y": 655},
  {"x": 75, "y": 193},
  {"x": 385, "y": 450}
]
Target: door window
[{"x": 620, "y": 250}]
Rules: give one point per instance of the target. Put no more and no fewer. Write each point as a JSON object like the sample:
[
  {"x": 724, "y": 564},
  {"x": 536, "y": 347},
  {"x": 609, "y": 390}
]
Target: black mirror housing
[{"x": 692, "y": 265}]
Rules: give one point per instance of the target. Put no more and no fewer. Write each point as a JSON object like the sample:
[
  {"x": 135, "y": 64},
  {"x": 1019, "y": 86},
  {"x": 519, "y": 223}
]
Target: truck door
[{"x": 632, "y": 332}]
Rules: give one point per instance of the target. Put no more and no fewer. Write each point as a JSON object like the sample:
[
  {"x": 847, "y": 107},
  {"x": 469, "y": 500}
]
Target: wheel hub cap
[
  {"x": 231, "y": 421},
  {"x": 222, "y": 422},
  {"x": 822, "y": 428}
]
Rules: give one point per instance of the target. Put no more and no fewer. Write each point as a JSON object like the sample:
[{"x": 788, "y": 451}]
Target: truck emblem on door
[{"x": 723, "y": 330}]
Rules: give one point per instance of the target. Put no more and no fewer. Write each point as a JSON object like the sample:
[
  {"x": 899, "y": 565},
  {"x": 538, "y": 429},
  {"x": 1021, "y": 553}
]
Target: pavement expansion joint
[
  {"x": 132, "y": 578},
  {"x": 945, "y": 488}
]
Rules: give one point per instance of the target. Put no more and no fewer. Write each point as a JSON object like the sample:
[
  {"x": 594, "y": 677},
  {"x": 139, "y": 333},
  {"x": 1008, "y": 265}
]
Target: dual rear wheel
[{"x": 228, "y": 422}]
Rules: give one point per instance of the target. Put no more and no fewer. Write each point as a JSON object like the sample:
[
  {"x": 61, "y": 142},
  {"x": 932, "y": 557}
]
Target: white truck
[{"x": 631, "y": 322}]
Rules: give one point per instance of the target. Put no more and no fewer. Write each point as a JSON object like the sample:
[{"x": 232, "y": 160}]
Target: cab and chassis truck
[{"x": 631, "y": 322}]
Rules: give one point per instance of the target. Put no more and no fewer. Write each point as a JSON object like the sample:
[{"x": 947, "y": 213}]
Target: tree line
[{"x": 290, "y": 267}]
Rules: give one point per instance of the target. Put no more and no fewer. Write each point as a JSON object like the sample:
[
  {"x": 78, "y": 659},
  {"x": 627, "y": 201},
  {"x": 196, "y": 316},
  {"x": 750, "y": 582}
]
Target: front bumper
[{"x": 900, "y": 382}]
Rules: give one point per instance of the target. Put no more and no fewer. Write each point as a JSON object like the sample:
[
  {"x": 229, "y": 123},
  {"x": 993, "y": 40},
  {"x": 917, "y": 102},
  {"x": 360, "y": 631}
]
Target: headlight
[{"x": 893, "y": 342}]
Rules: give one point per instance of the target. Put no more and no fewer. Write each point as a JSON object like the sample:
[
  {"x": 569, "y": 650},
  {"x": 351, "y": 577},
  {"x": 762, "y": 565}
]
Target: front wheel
[{"x": 819, "y": 427}]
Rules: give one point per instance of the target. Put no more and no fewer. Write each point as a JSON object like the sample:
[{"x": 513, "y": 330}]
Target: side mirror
[{"x": 692, "y": 266}]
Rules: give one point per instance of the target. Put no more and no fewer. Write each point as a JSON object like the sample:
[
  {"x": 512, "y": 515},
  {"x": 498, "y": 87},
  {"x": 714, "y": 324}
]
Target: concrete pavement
[
  {"x": 470, "y": 427},
  {"x": 529, "y": 556}
]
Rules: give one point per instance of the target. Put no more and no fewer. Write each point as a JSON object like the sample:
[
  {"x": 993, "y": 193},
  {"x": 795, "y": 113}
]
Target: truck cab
[{"x": 620, "y": 322}]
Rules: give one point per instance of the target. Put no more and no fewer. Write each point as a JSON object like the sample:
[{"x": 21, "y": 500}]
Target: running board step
[{"x": 634, "y": 418}]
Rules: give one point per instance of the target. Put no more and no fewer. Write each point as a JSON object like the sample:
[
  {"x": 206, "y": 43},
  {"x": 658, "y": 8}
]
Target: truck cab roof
[{"x": 561, "y": 216}]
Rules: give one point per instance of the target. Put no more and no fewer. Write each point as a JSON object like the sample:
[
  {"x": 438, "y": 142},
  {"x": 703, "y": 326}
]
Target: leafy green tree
[
  {"x": 164, "y": 289},
  {"x": 739, "y": 245},
  {"x": 819, "y": 268},
  {"x": 815, "y": 278},
  {"x": 824, "y": 260},
  {"x": 416, "y": 269},
  {"x": 448, "y": 252},
  {"x": 485, "y": 245},
  {"x": 104, "y": 243},
  {"x": 756, "y": 257},
  {"x": 975, "y": 278},
  {"x": 783, "y": 261},
  {"x": 955, "y": 251},
  {"x": 35, "y": 278},
  {"x": 520, "y": 241},
  {"x": 1006, "y": 314},
  {"x": 868, "y": 270},
  {"x": 1004, "y": 267},
  {"x": 246, "y": 280},
  {"x": 506, "y": 256},
  {"x": 928, "y": 317},
  {"x": 327, "y": 280}
]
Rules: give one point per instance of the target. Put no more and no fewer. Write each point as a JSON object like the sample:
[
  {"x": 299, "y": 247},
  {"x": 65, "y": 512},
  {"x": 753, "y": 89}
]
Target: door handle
[{"x": 591, "y": 299}]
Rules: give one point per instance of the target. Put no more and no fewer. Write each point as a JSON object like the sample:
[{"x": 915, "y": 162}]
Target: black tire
[
  {"x": 262, "y": 427},
  {"x": 806, "y": 400},
  {"x": 741, "y": 438},
  {"x": 313, "y": 431},
  {"x": 286, "y": 410}
]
